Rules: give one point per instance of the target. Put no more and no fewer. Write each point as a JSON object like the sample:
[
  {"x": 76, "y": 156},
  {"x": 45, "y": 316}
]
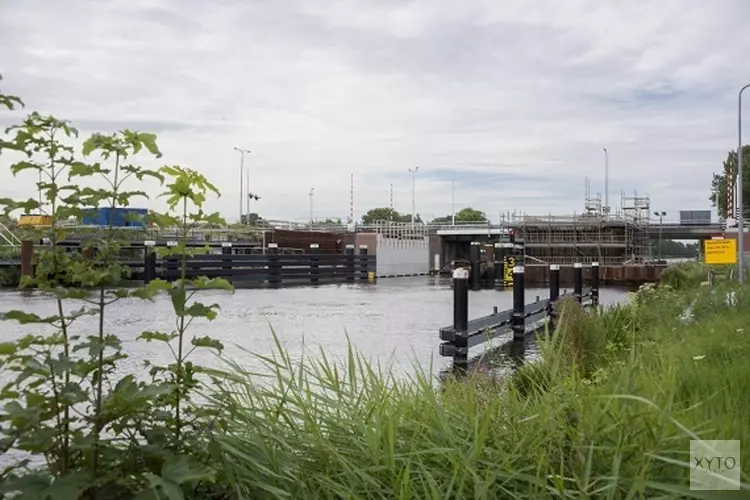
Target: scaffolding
[
  {"x": 636, "y": 211},
  {"x": 619, "y": 238}
]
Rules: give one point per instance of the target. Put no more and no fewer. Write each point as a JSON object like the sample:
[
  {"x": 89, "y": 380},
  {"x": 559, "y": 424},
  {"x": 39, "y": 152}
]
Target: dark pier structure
[
  {"x": 242, "y": 264},
  {"x": 523, "y": 319}
]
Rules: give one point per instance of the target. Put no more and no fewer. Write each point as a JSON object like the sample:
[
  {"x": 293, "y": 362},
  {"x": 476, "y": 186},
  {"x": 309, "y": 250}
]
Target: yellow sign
[
  {"x": 720, "y": 251},
  {"x": 508, "y": 264}
]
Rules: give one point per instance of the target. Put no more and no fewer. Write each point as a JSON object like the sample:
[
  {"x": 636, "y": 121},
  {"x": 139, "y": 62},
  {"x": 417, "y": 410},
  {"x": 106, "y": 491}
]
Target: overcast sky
[{"x": 514, "y": 100}]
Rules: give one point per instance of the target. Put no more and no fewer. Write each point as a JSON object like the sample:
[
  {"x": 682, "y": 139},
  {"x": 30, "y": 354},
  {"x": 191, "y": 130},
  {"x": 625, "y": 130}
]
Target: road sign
[{"x": 720, "y": 251}]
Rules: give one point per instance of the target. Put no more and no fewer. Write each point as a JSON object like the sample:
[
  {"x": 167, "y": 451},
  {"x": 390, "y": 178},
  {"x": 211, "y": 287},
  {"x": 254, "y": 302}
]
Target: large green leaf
[{"x": 178, "y": 295}]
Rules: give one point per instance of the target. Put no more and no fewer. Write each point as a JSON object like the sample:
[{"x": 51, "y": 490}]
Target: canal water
[{"x": 394, "y": 322}]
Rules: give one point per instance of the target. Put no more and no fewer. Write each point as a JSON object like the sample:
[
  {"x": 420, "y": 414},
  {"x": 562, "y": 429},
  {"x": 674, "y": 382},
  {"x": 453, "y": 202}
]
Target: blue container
[{"x": 119, "y": 217}]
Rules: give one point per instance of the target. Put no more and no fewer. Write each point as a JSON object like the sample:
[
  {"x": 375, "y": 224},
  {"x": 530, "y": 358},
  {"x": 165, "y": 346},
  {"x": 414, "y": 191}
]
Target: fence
[
  {"x": 275, "y": 268},
  {"x": 521, "y": 319}
]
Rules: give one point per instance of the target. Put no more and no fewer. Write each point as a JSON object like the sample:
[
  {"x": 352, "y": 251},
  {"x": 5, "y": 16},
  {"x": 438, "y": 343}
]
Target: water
[{"x": 395, "y": 321}]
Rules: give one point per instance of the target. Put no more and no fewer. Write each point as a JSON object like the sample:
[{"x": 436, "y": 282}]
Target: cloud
[{"x": 514, "y": 100}]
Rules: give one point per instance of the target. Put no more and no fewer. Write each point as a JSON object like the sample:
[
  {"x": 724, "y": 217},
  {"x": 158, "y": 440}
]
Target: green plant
[{"x": 99, "y": 434}]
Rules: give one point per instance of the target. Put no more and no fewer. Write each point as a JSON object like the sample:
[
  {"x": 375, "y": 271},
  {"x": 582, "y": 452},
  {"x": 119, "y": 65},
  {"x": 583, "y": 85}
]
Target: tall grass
[{"x": 609, "y": 413}]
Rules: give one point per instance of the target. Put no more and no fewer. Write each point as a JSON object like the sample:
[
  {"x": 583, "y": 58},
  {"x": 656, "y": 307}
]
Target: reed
[{"x": 609, "y": 413}]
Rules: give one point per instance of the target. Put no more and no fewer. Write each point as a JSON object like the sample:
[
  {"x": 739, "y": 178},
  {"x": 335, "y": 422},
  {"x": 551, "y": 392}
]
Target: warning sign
[{"x": 721, "y": 251}]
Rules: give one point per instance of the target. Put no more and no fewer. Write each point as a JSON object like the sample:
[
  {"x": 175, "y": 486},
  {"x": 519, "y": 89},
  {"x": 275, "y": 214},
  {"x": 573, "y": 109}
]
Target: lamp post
[
  {"x": 740, "y": 215},
  {"x": 242, "y": 170},
  {"x": 606, "y": 183},
  {"x": 312, "y": 191},
  {"x": 660, "y": 215},
  {"x": 413, "y": 202},
  {"x": 453, "y": 203}
]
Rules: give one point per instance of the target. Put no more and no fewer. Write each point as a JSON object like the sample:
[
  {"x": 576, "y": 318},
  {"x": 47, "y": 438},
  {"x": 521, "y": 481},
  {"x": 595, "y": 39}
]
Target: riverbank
[{"x": 610, "y": 411}]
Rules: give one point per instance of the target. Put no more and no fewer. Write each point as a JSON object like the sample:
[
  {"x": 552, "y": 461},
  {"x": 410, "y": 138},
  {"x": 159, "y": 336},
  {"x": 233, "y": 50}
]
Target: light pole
[
  {"x": 242, "y": 170},
  {"x": 453, "y": 203},
  {"x": 312, "y": 191},
  {"x": 413, "y": 202},
  {"x": 740, "y": 215},
  {"x": 606, "y": 183},
  {"x": 660, "y": 215}
]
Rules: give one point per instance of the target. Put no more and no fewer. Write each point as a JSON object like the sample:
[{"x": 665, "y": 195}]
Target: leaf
[
  {"x": 7, "y": 348},
  {"x": 171, "y": 490},
  {"x": 212, "y": 283},
  {"x": 32, "y": 486},
  {"x": 178, "y": 296},
  {"x": 157, "y": 336},
  {"x": 207, "y": 342},
  {"x": 70, "y": 486},
  {"x": 149, "y": 140},
  {"x": 25, "y": 318},
  {"x": 182, "y": 469},
  {"x": 198, "y": 310},
  {"x": 80, "y": 169},
  {"x": 24, "y": 165}
]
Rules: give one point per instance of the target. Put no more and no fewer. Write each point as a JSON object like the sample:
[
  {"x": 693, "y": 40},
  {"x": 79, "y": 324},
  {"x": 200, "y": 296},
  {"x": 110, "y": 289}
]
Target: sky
[{"x": 511, "y": 102}]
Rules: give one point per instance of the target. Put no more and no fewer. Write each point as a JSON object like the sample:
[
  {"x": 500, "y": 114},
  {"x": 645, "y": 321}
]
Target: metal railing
[{"x": 8, "y": 237}]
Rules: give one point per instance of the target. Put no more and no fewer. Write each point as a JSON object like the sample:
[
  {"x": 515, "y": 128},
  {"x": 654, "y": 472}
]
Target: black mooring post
[
  {"x": 226, "y": 258},
  {"x": 595, "y": 284},
  {"x": 363, "y": 270},
  {"x": 509, "y": 262},
  {"x": 461, "y": 319},
  {"x": 518, "y": 323},
  {"x": 519, "y": 252},
  {"x": 314, "y": 269},
  {"x": 349, "y": 252},
  {"x": 474, "y": 258},
  {"x": 578, "y": 281},
  {"x": 274, "y": 266},
  {"x": 149, "y": 262},
  {"x": 498, "y": 265},
  {"x": 554, "y": 294},
  {"x": 554, "y": 282}
]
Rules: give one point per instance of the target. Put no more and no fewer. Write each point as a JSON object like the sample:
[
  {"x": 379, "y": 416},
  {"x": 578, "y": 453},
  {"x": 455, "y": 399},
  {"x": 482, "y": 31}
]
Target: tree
[
  {"x": 386, "y": 214},
  {"x": 672, "y": 249},
  {"x": 719, "y": 182},
  {"x": 467, "y": 214},
  {"x": 330, "y": 222}
]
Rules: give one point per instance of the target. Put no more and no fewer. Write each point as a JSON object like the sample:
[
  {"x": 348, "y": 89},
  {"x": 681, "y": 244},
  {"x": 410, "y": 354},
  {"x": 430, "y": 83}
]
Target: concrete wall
[
  {"x": 401, "y": 256},
  {"x": 368, "y": 239}
]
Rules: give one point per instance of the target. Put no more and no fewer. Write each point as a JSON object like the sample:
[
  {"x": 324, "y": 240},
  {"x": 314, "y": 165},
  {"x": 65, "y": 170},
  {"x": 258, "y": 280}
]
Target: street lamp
[
  {"x": 312, "y": 191},
  {"x": 242, "y": 169},
  {"x": 413, "y": 202},
  {"x": 606, "y": 183},
  {"x": 740, "y": 215},
  {"x": 660, "y": 215},
  {"x": 453, "y": 203}
]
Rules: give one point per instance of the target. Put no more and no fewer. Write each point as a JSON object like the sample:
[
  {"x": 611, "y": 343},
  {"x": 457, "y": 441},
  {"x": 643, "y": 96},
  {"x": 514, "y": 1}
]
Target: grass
[{"x": 609, "y": 413}]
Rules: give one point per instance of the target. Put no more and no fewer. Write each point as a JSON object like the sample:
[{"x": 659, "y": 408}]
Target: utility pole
[
  {"x": 312, "y": 191},
  {"x": 390, "y": 216},
  {"x": 740, "y": 208},
  {"x": 242, "y": 169},
  {"x": 413, "y": 193}
]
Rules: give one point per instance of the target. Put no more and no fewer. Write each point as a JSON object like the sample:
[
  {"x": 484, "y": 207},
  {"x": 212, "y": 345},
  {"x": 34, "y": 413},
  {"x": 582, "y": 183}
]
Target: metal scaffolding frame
[{"x": 617, "y": 239}]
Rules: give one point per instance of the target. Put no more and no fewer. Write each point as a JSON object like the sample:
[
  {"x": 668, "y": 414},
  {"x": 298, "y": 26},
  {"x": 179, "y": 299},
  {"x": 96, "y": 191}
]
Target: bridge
[{"x": 670, "y": 230}]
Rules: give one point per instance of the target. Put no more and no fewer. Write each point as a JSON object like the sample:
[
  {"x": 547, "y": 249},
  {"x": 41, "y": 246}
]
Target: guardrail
[{"x": 521, "y": 319}]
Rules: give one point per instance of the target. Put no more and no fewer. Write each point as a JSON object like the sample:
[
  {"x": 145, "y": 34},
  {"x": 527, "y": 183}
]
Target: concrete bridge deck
[{"x": 672, "y": 231}]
